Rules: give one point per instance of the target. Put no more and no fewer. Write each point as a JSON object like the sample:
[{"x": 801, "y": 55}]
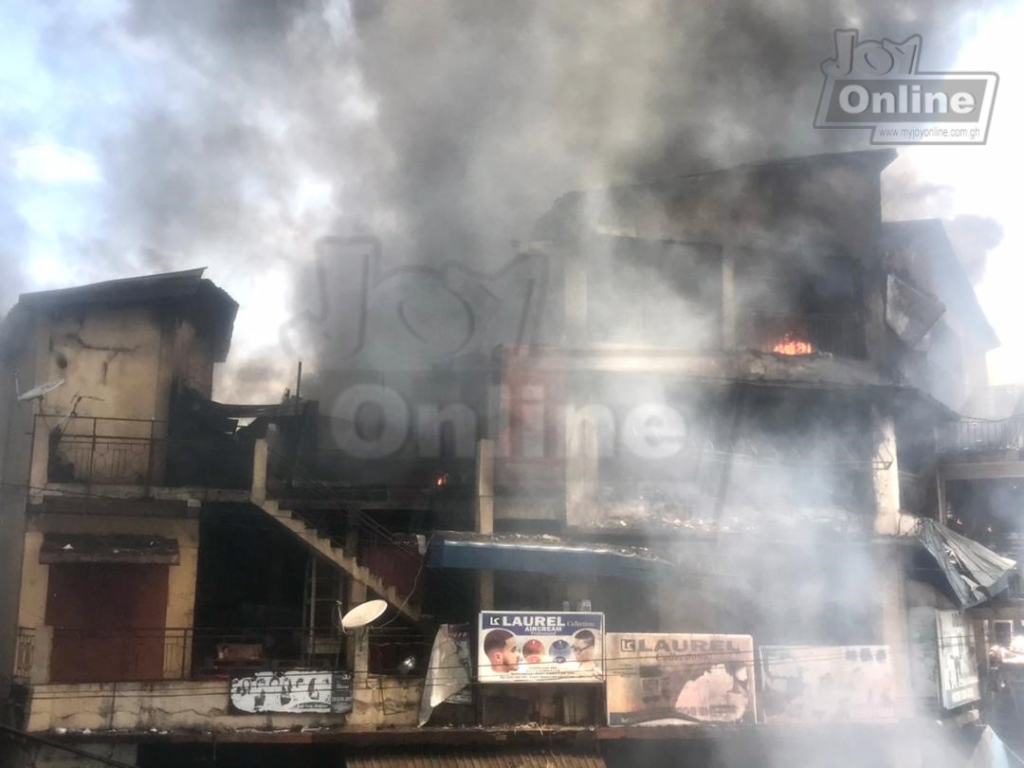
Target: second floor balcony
[
  {"x": 976, "y": 437},
  {"x": 133, "y": 452}
]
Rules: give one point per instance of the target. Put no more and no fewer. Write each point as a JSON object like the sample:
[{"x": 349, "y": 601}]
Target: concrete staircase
[{"x": 323, "y": 544}]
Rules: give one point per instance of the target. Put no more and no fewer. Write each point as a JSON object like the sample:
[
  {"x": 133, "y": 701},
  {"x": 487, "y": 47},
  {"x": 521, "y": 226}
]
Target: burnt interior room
[
  {"x": 750, "y": 447},
  {"x": 251, "y": 578},
  {"x": 988, "y": 511},
  {"x": 797, "y": 304}
]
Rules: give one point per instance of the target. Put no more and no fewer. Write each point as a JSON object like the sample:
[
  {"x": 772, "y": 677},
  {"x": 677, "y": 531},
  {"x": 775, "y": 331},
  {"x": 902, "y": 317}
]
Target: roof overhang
[
  {"x": 542, "y": 554},
  {"x": 140, "y": 549}
]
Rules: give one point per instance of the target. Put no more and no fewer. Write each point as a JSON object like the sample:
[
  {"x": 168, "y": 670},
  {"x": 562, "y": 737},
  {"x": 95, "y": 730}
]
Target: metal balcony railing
[
  {"x": 802, "y": 334},
  {"x": 24, "y": 653},
  {"x": 982, "y": 436},
  {"x": 100, "y": 656},
  {"x": 112, "y": 451}
]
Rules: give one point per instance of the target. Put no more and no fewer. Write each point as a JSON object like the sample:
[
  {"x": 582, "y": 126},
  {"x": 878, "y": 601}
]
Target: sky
[{"x": 152, "y": 136}]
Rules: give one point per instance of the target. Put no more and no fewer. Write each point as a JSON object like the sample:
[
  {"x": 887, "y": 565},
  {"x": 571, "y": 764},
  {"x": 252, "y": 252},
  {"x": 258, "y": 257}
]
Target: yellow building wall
[
  {"x": 181, "y": 591},
  {"x": 379, "y": 702}
]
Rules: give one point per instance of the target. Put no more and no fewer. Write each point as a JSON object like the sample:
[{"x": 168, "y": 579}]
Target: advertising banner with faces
[
  {"x": 675, "y": 679},
  {"x": 527, "y": 647}
]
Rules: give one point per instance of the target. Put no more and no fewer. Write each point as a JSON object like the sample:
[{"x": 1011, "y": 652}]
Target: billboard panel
[
  {"x": 959, "y": 683},
  {"x": 827, "y": 683},
  {"x": 294, "y": 692},
  {"x": 662, "y": 679},
  {"x": 537, "y": 647}
]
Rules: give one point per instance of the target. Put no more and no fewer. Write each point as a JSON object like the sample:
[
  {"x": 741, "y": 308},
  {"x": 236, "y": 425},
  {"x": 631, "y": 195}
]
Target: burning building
[{"x": 670, "y": 486}]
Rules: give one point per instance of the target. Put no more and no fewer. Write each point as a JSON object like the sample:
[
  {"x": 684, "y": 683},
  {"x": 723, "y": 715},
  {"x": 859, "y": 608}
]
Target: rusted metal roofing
[{"x": 455, "y": 757}]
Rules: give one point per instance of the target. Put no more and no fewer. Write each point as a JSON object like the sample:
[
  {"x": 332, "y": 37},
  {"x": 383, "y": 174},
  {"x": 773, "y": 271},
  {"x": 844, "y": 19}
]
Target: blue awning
[{"x": 541, "y": 554}]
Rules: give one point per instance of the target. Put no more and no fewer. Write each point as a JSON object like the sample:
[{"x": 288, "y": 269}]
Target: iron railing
[
  {"x": 98, "y": 656},
  {"x": 113, "y": 451},
  {"x": 803, "y": 334},
  {"x": 982, "y": 436},
  {"x": 24, "y": 654}
]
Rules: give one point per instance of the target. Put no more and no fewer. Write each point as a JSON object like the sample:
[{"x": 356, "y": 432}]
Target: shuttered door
[{"x": 108, "y": 621}]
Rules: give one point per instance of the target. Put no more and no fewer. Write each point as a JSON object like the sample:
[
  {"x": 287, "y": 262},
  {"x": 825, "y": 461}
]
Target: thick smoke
[{"x": 235, "y": 133}]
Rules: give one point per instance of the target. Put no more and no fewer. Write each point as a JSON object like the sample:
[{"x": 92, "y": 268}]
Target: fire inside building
[{"x": 709, "y": 474}]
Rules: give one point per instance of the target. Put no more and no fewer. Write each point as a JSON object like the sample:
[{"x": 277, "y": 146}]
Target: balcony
[
  {"x": 133, "y": 452},
  {"x": 63, "y": 655},
  {"x": 185, "y": 678},
  {"x": 802, "y": 334},
  {"x": 980, "y": 436}
]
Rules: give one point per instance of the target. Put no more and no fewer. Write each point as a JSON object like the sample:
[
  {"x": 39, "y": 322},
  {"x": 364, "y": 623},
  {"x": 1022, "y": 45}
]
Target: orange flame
[{"x": 790, "y": 345}]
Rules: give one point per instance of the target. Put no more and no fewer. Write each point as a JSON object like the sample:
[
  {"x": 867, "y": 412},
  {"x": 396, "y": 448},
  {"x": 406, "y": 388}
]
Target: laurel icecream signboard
[
  {"x": 531, "y": 647},
  {"x": 665, "y": 679}
]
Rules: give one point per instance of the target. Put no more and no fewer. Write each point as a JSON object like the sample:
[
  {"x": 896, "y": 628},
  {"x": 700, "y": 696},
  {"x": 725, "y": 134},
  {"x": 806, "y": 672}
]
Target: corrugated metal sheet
[
  {"x": 975, "y": 573},
  {"x": 456, "y": 757}
]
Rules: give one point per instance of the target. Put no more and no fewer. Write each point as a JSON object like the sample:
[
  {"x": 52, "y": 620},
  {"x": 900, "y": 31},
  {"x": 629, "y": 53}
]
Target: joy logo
[
  {"x": 871, "y": 58},
  {"x": 411, "y": 317},
  {"x": 876, "y": 84}
]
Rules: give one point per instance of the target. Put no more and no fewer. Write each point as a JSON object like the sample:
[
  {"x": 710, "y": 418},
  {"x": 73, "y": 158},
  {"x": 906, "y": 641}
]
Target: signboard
[
  {"x": 459, "y": 634},
  {"x": 341, "y": 693},
  {"x": 959, "y": 682},
  {"x": 943, "y": 662},
  {"x": 299, "y": 692},
  {"x": 827, "y": 684},
  {"x": 666, "y": 679},
  {"x": 526, "y": 647}
]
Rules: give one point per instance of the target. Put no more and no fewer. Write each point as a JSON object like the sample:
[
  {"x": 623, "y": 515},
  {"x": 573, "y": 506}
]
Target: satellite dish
[
  {"x": 37, "y": 393},
  {"x": 364, "y": 614}
]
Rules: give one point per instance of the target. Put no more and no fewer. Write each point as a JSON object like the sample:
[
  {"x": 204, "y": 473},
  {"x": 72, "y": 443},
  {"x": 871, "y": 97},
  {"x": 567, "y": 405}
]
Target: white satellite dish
[
  {"x": 364, "y": 614},
  {"x": 37, "y": 393}
]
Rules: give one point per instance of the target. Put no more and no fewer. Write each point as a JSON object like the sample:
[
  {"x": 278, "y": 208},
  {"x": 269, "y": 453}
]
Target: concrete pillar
[
  {"x": 582, "y": 455},
  {"x": 485, "y": 515},
  {"x": 886, "y": 479},
  {"x": 40, "y": 458},
  {"x": 728, "y": 299},
  {"x": 940, "y": 492},
  {"x": 485, "y": 590},
  {"x": 357, "y": 648},
  {"x": 485, "y": 486},
  {"x": 260, "y": 454},
  {"x": 981, "y": 644},
  {"x": 892, "y": 584},
  {"x": 575, "y": 299}
]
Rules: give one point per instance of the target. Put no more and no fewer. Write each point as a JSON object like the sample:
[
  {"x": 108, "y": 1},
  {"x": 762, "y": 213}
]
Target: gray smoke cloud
[{"x": 241, "y": 131}]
